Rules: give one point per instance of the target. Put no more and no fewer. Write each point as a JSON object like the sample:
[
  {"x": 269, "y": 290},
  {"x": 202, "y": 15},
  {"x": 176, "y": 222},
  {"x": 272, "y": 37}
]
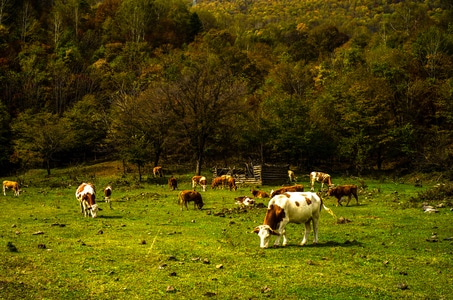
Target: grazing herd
[{"x": 288, "y": 204}]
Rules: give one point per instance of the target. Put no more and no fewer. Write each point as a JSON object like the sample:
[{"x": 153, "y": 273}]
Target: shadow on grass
[
  {"x": 346, "y": 243},
  {"x": 110, "y": 217}
]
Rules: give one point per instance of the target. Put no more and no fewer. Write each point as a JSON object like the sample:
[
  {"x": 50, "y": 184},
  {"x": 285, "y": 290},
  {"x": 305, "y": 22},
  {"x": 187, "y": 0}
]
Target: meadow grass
[{"x": 145, "y": 247}]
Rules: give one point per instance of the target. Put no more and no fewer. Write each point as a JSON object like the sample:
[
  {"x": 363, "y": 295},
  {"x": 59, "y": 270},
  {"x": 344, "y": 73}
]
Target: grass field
[{"x": 145, "y": 247}]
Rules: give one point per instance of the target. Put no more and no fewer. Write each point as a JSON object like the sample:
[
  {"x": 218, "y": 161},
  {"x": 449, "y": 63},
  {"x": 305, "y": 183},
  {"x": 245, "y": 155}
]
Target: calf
[
  {"x": 259, "y": 194},
  {"x": 172, "y": 183},
  {"x": 319, "y": 177},
  {"x": 11, "y": 185},
  {"x": 344, "y": 190},
  {"x": 199, "y": 180},
  {"x": 86, "y": 194},
  {"x": 292, "y": 207},
  {"x": 290, "y": 188},
  {"x": 157, "y": 171},
  {"x": 187, "y": 196}
]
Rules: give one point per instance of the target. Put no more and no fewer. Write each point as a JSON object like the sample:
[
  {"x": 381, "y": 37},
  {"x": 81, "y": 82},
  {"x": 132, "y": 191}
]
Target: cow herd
[{"x": 288, "y": 204}]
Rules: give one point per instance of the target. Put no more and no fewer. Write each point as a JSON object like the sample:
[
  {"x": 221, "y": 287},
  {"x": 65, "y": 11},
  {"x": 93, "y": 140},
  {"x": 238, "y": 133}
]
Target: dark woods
[{"x": 347, "y": 86}]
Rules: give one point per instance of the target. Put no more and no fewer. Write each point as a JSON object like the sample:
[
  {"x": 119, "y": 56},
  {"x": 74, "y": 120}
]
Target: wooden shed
[{"x": 257, "y": 175}]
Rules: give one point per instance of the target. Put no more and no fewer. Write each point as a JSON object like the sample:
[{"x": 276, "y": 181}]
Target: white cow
[{"x": 291, "y": 207}]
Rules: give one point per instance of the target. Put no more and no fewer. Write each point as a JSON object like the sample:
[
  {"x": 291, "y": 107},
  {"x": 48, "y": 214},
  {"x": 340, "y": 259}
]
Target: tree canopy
[{"x": 343, "y": 86}]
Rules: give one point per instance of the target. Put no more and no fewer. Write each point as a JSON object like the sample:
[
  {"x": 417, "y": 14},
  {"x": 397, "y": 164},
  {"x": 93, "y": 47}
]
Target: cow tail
[{"x": 329, "y": 211}]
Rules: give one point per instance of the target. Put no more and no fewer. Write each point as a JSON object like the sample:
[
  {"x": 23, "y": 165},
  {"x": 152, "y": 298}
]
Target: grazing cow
[
  {"x": 216, "y": 182},
  {"x": 86, "y": 194},
  {"x": 319, "y": 177},
  {"x": 292, "y": 176},
  {"x": 285, "y": 189},
  {"x": 11, "y": 185},
  {"x": 187, "y": 196},
  {"x": 259, "y": 194},
  {"x": 293, "y": 207},
  {"x": 232, "y": 184},
  {"x": 244, "y": 201},
  {"x": 199, "y": 180},
  {"x": 157, "y": 171},
  {"x": 344, "y": 190},
  {"x": 172, "y": 183}
]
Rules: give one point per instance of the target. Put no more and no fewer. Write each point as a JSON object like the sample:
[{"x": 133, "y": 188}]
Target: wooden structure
[{"x": 257, "y": 175}]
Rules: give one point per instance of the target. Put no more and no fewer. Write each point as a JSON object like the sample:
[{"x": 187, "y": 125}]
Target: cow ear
[{"x": 256, "y": 230}]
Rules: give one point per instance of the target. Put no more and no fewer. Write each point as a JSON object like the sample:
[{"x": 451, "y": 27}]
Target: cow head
[
  {"x": 265, "y": 232},
  {"x": 94, "y": 210}
]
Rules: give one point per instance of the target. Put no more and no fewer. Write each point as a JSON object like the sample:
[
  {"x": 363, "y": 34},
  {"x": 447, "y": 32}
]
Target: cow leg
[
  {"x": 4, "y": 190},
  {"x": 349, "y": 199},
  {"x": 306, "y": 233},
  {"x": 315, "y": 230},
  {"x": 339, "y": 202},
  {"x": 356, "y": 199}
]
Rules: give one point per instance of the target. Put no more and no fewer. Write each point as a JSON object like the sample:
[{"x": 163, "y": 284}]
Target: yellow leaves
[{"x": 301, "y": 27}]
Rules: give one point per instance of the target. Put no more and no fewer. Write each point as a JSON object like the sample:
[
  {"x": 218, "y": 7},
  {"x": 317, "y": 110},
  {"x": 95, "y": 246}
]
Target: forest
[{"x": 342, "y": 86}]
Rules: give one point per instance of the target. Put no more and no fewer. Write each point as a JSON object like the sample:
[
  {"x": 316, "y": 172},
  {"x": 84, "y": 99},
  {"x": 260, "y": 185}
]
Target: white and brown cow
[
  {"x": 285, "y": 189},
  {"x": 158, "y": 171},
  {"x": 344, "y": 190},
  {"x": 107, "y": 194},
  {"x": 86, "y": 194},
  {"x": 7, "y": 184},
  {"x": 292, "y": 207},
  {"x": 319, "y": 177},
  {"x": 199, "y": 180},
  {"x": 187, "y": 196},
  {"x": 292, "y": 176},
  {"x": 244, "y": 201}
]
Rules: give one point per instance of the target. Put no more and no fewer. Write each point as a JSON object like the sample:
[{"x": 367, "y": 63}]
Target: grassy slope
[{"x": 145, "y": 244}]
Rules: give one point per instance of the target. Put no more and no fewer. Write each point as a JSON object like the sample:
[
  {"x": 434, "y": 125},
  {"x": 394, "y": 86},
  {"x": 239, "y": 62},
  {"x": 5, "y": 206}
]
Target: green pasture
[{"x": 145, "y": 247}]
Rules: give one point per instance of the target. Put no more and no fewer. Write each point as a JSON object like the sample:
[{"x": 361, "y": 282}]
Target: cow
[
  {"x": 244, "y": 201},
  {"x": 319, "y": 177},
  {"x": 157, "y": 171},
  {"x": 291, "y": 207},
  {"x": 259, "y": 194},
  {"x": 186, "y": 196},
  {"x": 107, "y": 194},
  {"x": 344, "y": 190},
  {"x": 232, "y": 184},
  {"x": 290, "y": 188},
  {"x": 7, "y": 184},
  {"x": 199, "y": 180},
  {"x": 172, "y": 183},
  {"x": 86, "y": 194},
  {"x": 292, "y": 176},
  {"x": 216, "y": 182}
]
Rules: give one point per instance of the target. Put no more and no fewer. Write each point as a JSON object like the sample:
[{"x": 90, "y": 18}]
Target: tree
[
  {"x": 39, "y": 137},
  {"x": 203, "y": 97}
]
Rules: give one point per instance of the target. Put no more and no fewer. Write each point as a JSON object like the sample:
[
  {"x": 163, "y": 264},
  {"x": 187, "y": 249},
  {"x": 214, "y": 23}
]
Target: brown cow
[
  {"x": 11, "y": 185},
  {"x": 172, "y": 183},
  {"x": 86, "y": 194},
  {"x": 344, "y": 190},
  {"x": 158, "y": 171},
  {"x": 199, "y": 180},
  {"x": 187, "y": 196},
  {"x": 232, "y": 184},
  {"x": 290, "y": 188},
  {"x": 259, "y": 194},
  {"x": 216, "y": 182}
]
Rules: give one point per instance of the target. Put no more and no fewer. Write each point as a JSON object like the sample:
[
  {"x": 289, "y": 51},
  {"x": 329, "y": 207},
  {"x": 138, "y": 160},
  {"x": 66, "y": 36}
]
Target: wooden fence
[{"x": 257, "y": 175}]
